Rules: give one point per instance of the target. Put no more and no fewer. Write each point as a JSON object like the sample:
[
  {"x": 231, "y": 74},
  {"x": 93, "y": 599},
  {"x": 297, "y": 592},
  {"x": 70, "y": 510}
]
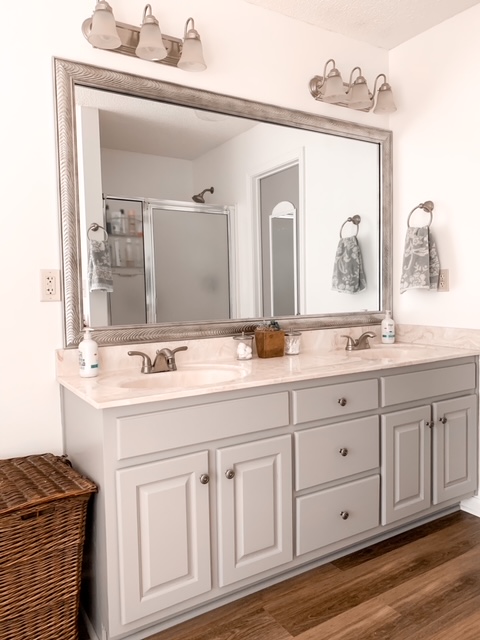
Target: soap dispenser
[
  {"x": 88, "y": 356},
  {"x": 388, "y": 328}
]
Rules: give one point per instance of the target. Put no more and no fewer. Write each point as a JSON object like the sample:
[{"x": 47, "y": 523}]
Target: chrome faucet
[
  {"x": 359, "y": 343},
  {"x": 164, "y": 360}
]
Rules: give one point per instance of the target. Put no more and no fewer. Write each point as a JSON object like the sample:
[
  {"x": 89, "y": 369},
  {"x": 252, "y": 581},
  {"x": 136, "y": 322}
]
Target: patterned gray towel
[
  {"x": 99, "y": 267},
  {"x": 348, "y": 274},
  {"x": 421, "y": 265}
]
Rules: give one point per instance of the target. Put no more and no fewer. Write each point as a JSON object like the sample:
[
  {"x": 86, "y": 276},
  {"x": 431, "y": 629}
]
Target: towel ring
[
  {"x": 425, "y": 206},
  {"x": 354, "y": 220},
  {"x": 95, "y": 227}
]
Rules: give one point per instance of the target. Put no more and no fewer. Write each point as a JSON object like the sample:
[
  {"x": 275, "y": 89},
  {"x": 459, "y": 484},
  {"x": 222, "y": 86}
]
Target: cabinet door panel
[
  {"x": 406, "y": 463},
  {"x": 454, "y": 448},
  {"x": 164, "y": 534},
  {"x": 254, "y": 508}
]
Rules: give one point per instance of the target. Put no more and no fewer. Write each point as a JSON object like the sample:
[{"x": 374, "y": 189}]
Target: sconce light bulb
[
  {"x": 150, "y": 43},
  {"x": 192, "y": 52},
  {"x": 103, "y": 29}
]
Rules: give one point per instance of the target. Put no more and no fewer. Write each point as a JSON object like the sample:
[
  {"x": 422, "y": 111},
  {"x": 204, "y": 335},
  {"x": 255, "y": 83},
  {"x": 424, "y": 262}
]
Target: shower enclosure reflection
[{"x": 170, "y": 262}]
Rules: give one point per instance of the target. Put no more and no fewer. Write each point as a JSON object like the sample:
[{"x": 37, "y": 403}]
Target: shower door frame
[{"x": 148, "y": 204}]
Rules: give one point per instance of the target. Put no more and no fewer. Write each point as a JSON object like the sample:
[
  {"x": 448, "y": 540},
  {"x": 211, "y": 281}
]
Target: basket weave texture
[{"x": 43, "y": 505}]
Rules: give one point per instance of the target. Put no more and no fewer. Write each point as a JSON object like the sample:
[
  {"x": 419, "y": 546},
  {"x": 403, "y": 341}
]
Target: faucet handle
[
  {"x": 184, "y": 348},
  {"x": 350, "y": 342},
  {"x": 146, "y": 361}
]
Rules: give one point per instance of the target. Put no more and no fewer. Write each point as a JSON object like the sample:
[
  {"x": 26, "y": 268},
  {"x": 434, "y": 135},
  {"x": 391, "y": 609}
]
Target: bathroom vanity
[{"x": 211, "y": 492}]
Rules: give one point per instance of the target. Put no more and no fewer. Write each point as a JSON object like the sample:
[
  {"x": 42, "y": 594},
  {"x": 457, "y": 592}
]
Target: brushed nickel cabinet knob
[
  {"x": 342, "y": 402},
  {"x": 344, "y": 515},
  {"x": 343, "y": 451},
  {"x": 204, "y": 478},
  {"x": 229, "y": 474}
]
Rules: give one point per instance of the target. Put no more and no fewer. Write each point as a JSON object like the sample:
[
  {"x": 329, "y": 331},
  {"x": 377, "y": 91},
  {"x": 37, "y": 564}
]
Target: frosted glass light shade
[
  {"x": 333, "y": 90},
  {"x": 103, "y": 33},
  {"x": 150, "y": 44},
  {"x": 359, "y": 96},
  {"x": 385, "y": 102},
  {"x": 192, "y": 55}
]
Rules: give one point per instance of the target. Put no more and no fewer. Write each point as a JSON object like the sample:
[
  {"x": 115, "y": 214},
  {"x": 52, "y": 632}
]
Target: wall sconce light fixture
[
  {"x": 355, "y": 94},
  {"x": 147, "y": 41}
]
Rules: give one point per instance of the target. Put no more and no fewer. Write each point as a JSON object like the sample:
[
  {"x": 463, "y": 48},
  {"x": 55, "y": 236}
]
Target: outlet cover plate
[
  {"x": 443, "y": 280},
  {"x": 49, "y": 285}
]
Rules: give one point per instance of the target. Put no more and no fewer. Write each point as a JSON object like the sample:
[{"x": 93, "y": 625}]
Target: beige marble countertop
[{"x": 124, "y": 387}]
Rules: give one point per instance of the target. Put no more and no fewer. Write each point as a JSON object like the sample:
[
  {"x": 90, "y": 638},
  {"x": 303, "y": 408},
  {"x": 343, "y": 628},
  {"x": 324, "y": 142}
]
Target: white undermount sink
[{"x": 198, "y": 375}]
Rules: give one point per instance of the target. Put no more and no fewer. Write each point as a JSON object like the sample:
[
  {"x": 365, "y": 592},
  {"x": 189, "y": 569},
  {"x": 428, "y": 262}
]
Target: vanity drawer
[
  {"x": 336, "y": 451},
  {"x": 334, "y": 400},
  {"x": 319, "y": 515},
  {"x": 163, "y": 430},
  {"x": 407, "y": 387}
]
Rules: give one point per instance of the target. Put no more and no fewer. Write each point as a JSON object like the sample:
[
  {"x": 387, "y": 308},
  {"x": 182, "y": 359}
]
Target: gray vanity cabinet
[
  {"x": 205, "y": 499},
  {"x": 429, "y": 452}
]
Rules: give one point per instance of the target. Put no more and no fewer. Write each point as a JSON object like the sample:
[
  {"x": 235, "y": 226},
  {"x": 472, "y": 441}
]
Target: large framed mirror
[{"x": 145, "y": 164}]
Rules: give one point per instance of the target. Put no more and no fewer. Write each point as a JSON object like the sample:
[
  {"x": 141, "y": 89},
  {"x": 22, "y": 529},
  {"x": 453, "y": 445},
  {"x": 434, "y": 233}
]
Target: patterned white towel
[
  {"x": 348, "y": 274},
  {"x": 99, "y": 267},
  {"x": 421, "y": 265}
]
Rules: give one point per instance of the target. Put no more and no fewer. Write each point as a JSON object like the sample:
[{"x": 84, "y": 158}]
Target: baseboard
[
  {"x": 86, "y": 621},
  {"x": 471, "y": 505}
]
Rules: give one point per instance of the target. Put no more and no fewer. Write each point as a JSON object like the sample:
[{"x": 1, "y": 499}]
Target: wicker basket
[{"x": 43, "y": 504}]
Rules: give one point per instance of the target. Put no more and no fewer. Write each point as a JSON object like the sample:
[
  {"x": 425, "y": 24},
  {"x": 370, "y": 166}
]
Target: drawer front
[
  {"x": 336, "y": 451},
  {"x": 319, "y": 516},
  {"x": 163, "y": 430},
  {"x": 334, "y": 400},
  {"x": 408, "y": 387}
]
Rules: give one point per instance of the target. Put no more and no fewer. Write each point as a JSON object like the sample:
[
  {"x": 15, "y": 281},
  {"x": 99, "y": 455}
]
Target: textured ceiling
[{"x": 381, "y": 23}]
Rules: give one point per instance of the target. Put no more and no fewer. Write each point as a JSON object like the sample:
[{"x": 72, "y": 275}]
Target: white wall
[
  {"x": 251, "y": 53},
  {"x": 437, "y": 157}
]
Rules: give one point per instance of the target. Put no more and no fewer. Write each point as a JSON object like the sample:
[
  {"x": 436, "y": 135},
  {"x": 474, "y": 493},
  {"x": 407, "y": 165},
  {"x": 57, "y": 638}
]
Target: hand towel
[
  {"x": 421, "y": 265},
  {"x": 348, "y": 274},
  {"x": 99, "y": 266}
]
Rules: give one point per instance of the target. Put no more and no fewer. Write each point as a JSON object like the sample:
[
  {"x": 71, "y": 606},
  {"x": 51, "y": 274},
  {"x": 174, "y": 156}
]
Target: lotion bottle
[
  {"x": 388, "y": 328},
  {"x": 88, "y": 356}
]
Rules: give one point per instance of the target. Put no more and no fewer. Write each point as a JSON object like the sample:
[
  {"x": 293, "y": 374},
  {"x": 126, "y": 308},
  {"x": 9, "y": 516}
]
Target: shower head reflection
[{"x": 200, "y": 196}]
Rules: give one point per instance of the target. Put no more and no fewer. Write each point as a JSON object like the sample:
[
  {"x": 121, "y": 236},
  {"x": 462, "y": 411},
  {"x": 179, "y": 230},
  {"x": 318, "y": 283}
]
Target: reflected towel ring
[
  {"x": 354, "y": 220},
  {"x": 95, "y": 227},
  {"x": 425, "y": 206}
]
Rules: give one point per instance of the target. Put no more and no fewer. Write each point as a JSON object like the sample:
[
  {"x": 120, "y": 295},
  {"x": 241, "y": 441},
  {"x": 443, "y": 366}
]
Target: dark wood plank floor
[{"x": 420, "y": 585}]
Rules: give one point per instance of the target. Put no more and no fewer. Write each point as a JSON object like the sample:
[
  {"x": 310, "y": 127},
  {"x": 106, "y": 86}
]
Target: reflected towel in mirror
[
  {"x": 348, "y": 273},
  {"x": 99, "y": 266},
  {"x": 421, "y": 265}
]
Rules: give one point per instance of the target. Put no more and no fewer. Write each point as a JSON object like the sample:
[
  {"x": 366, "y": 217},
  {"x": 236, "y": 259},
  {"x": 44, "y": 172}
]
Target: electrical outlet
[
  {"x": 49, "y": 285},
  {"x": 443, "y": 280}
]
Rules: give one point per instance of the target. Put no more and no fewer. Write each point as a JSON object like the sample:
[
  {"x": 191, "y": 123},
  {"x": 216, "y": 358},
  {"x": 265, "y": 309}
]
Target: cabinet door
[
  {"x": 454, "y": 448},
  {"x": 406, "y": 447},
  {"x": 164, "y": 534},
  {"x": 254, "y": 508}
]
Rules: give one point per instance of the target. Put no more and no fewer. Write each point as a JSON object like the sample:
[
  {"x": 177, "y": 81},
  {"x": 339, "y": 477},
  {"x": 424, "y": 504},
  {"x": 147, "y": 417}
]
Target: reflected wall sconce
[
  {"x": 355, "y": 94},
  {"x": 146, "y": 41}
]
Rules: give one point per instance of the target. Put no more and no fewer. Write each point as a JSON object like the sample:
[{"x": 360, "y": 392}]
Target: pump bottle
[
  {"x": 88, "y": 356},
  {"x": 388, "y": 328}
]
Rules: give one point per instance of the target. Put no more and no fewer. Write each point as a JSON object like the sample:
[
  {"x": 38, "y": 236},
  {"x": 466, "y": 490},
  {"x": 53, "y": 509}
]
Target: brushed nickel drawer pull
[
  {"x": 342, "y": 402},
  {"x": 229, "y": 474},
  {"x": 343, "y": 451},
  {"x": 443, "y": 420},
  {"x": 344, "y": 515},
  {"x": 204, "y": 478}
]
